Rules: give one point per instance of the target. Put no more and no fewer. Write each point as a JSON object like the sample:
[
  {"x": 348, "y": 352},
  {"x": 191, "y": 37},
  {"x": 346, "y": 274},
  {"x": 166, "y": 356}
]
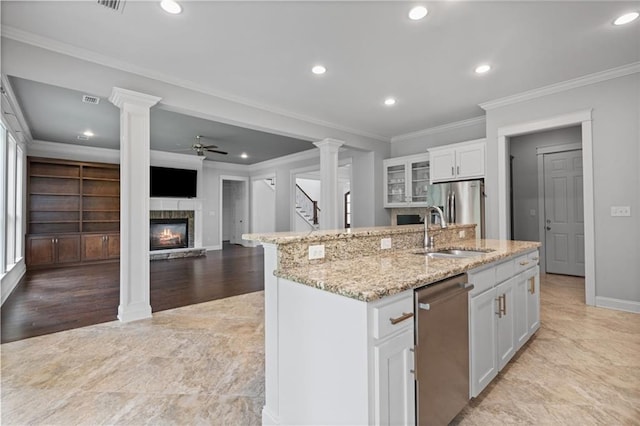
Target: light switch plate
[
  {"x": 620, "y": 210},
  {"x": 532, "y": 212},
  {"x": 316, "y": 252},
  {"x": 385, "y": 243}
]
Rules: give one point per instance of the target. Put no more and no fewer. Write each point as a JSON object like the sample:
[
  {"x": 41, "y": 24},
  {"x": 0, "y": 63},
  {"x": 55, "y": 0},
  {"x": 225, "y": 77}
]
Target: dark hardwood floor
[{"x": 51, "y": 300}]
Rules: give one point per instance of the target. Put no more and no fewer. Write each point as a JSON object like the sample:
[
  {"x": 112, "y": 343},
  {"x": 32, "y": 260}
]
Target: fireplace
[{"x": 169, "y": 234}]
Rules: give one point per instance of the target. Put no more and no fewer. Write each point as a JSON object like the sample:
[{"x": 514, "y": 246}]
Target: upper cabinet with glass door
[{"x": 406, "y": 181}]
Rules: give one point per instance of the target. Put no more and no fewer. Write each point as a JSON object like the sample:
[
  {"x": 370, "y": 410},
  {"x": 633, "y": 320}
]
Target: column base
[
  {"x": 268, "y": 418},
  {"x": 134, "y": 312}
]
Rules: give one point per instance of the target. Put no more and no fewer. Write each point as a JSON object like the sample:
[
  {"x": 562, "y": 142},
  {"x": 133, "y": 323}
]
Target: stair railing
[{"x": 306, "y": 203}]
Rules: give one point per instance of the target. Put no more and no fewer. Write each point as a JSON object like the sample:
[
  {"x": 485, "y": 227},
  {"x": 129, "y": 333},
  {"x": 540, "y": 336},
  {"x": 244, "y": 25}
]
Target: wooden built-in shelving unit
[{"x": 73, "y": 211}]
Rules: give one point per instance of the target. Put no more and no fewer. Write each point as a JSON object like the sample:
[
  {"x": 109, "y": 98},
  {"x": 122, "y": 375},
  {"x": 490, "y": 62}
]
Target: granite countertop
[{"x": 369, "y": 278}]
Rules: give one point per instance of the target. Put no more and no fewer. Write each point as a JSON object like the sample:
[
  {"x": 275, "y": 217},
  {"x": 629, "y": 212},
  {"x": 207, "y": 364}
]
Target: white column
[
  {"x": 134, "y": 202},
  {"x": 329, "y": 213}
]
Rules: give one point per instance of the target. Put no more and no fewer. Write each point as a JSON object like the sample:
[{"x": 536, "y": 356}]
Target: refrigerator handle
[{"x": 452, "y": 210}]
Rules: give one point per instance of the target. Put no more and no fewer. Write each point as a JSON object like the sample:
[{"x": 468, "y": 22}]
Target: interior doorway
[
  {"x": 547, "y": 200},
  {"x": 234, "y": 207}
]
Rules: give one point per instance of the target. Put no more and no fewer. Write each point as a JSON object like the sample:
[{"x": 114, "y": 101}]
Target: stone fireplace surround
[{"x": 172, "y": 208}]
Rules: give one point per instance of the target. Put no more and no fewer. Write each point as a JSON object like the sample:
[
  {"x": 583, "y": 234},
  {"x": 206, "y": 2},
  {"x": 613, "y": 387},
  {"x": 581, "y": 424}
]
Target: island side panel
[
  {"x": 323, "y": 357},
  {"x": 271, "y": 409}
]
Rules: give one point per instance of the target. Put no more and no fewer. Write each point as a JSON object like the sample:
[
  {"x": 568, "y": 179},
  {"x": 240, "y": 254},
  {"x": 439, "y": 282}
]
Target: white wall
[
  {"x": 311, "y": 187},
  {"x": 525, "y": 177},
  {"x": 263, "y": 207},
  {"x": 616, "y": 160}
]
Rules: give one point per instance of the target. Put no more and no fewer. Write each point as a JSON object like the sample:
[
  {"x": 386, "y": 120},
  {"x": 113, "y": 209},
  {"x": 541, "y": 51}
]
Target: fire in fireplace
[{"x": 169, "y": 234}]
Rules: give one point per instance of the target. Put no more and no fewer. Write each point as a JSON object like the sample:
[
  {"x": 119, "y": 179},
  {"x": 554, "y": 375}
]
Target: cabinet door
[
  {"x": 506, "y": 323},
  {"x": 93, "y": 247},
  {"x": 443, "y": 163},
  {"x": 68, "y": 248},
  {"x": 533, "y": 300},
  {"x": 418, "y": 182},
  {"x": 394, "y": 381},
  {"x": 395, "y": 188},
  {"x": 113, "y": 246},
  {"x": 41, "y": 250},
  {"x": 482, "y": 335},
  {"x": 520, "y": 309},
  {"x": 470, "y": 161}
]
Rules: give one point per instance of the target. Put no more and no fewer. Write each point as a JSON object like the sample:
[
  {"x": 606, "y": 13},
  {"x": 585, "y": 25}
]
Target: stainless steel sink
[{"x": 453, "y": 253}]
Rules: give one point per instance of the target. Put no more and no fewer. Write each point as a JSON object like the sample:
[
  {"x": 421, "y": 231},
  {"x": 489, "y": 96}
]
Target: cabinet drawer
[
  {"x": 394, "y": 310},
  {"x": 505, "y": 270},
  {"x": 534, "y": 258},
  {"x": 523, "y": 263},
  {"x": 482, "y": 280}
]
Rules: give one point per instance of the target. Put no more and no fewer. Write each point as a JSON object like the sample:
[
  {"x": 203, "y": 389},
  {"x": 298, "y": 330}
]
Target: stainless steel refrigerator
[{"x": 461, "y": 202}]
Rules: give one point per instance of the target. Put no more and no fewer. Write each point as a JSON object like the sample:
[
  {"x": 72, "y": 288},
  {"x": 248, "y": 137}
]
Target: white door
[{"x": 564, "y": 214}]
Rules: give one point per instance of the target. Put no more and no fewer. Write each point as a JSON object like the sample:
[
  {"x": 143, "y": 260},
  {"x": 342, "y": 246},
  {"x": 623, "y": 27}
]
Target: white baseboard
[
  {"x": 134, "y": 312},
  {"x": 210, "y": 248},
  {"x": 11, "y": 278},
  {"x": 618, "y": 304},
  {"x": 268, "y": 418}
]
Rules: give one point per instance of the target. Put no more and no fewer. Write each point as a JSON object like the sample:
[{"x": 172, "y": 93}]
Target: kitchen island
[{"x": 339, "y": 334}]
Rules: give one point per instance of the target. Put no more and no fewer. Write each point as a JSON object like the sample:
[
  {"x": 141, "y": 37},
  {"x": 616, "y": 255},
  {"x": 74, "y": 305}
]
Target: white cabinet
[
  {"x": 406, "y": 181},
  {"x": 458, "y": 161},
  {"x": 482, "y": 340},
  {"x": 394, "y": 380},
  {"x": 504, "y": 312},
  {"x": 391, "y": 328},
  {"x": 505, "y": 326}
]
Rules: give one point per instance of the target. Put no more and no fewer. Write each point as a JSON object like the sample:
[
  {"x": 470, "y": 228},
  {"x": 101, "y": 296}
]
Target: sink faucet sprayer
[{"x": 429, "y": 244}]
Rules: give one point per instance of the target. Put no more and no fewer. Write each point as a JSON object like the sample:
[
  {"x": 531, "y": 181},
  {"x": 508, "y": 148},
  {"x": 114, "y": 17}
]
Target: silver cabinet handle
[
  {"x": 404, "y": 316},
  {"x": 504, "y": 304},
  {"x": 524, "y": 262},
  {"x": 452, "y": 172},
  {"x": 532, "y": 285},
  {"x": 499, "y": 300},
  {"x": 458, "y": 169}
]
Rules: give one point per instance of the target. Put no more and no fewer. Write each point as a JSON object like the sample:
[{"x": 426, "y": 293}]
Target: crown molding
[
  {"x": 67, "y": 151},
  {"x": 551, "y": 89},
  {"x": 119, "y": 97},
  {"x": 439, "y": 129},
  {"x": 87, "y": 55},
  {"x": 14, "y": 110}
]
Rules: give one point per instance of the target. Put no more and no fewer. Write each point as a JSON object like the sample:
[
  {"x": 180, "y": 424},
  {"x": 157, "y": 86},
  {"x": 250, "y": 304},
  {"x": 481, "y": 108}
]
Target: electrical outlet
[
  {"x": 462, "y": 234},
  {"x": 385, "y": 243},
  {"x": 532, "y": 212},
  {"x": 620, "y": 211},
  {"x": 316, "y": 252}
]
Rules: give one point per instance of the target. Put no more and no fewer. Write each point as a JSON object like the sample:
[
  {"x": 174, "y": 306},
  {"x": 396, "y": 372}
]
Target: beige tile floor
[{"x": 204, "y": 364}]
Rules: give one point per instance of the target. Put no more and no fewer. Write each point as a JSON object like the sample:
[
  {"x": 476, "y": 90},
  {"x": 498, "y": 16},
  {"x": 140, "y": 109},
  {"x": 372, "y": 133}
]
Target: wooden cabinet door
[
  {"x": 506, "y": 323},
  {"x": 113, "y": 246},
  {"x": 482, "y": 337},
  {"x": 41, "y": 250},
  {"x": 68, "y": 248},
  {"x": 93, "y": 247},
  {"x": 394, "y": 381}
]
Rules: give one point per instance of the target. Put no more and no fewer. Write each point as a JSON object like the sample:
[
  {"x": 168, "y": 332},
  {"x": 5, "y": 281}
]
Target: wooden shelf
[
  {"x": 101, "y": 195},
  {"x": 100, "y": 221},
  {"x": 54, "y": 221},
  {"x": 101, "y": 210},
  {"x": 55, "y": 176},
  {"x": 67, "y": 194}
]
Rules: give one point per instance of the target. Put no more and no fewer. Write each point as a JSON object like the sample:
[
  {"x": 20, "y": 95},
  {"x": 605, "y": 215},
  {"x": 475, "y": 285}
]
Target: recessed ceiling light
[
  {"x": 318, "y": 69},
  {"x": 626, "y": 18},
  {"x": 244, "y": 155},
  {"x": 418, "y": 13},
  {"x": 88, "y": 133},
  {"x": 481, "y": 69},
  {"x": 389, "y": 101},
  {"x": 171, "y": 6}
]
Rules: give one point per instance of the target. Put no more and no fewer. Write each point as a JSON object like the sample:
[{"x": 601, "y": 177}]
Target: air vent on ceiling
[
  {"x": 90, "y": 99},
  {"x": 82, "y": 138},
  {"x": 117, "y": 5}
]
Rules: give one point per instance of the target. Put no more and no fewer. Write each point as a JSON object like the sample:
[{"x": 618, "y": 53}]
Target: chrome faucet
[{"x": 429, "y": 244}]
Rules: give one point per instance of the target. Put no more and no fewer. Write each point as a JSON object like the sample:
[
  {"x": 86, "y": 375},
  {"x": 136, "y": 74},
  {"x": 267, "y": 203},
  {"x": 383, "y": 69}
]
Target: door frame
[
  {"x": 245, "y": 218},
  {"x": 584, "y": 119},
  {"x": 540, "y": 152}
]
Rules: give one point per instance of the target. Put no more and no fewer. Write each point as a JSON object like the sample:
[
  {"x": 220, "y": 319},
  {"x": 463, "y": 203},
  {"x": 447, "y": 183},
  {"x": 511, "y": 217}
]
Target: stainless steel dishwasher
[{"x": 442, "y": 350}]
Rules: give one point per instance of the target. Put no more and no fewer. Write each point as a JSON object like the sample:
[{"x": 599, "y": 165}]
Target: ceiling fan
[{"x": 202, "y": 149}]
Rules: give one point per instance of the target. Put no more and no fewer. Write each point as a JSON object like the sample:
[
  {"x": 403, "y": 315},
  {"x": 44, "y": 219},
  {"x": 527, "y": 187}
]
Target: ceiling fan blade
[{"x": 217, "y": 151}]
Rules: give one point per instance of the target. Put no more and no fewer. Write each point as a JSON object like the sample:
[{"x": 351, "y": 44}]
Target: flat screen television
[{"x": 174, "y": 183}]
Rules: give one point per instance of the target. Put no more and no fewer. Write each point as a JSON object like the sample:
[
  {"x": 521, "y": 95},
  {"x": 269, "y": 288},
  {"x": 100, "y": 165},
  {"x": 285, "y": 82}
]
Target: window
[
  {"x": 12, "y": 162},
  {"x": 347, "y": 210}
]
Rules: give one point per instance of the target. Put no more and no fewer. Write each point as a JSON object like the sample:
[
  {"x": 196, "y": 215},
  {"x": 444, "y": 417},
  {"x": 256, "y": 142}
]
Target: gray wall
[
  {"x": 419, "y": 144},
  {"x": 616, "y": 159},
  {"x": 525, "y": 177}
]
